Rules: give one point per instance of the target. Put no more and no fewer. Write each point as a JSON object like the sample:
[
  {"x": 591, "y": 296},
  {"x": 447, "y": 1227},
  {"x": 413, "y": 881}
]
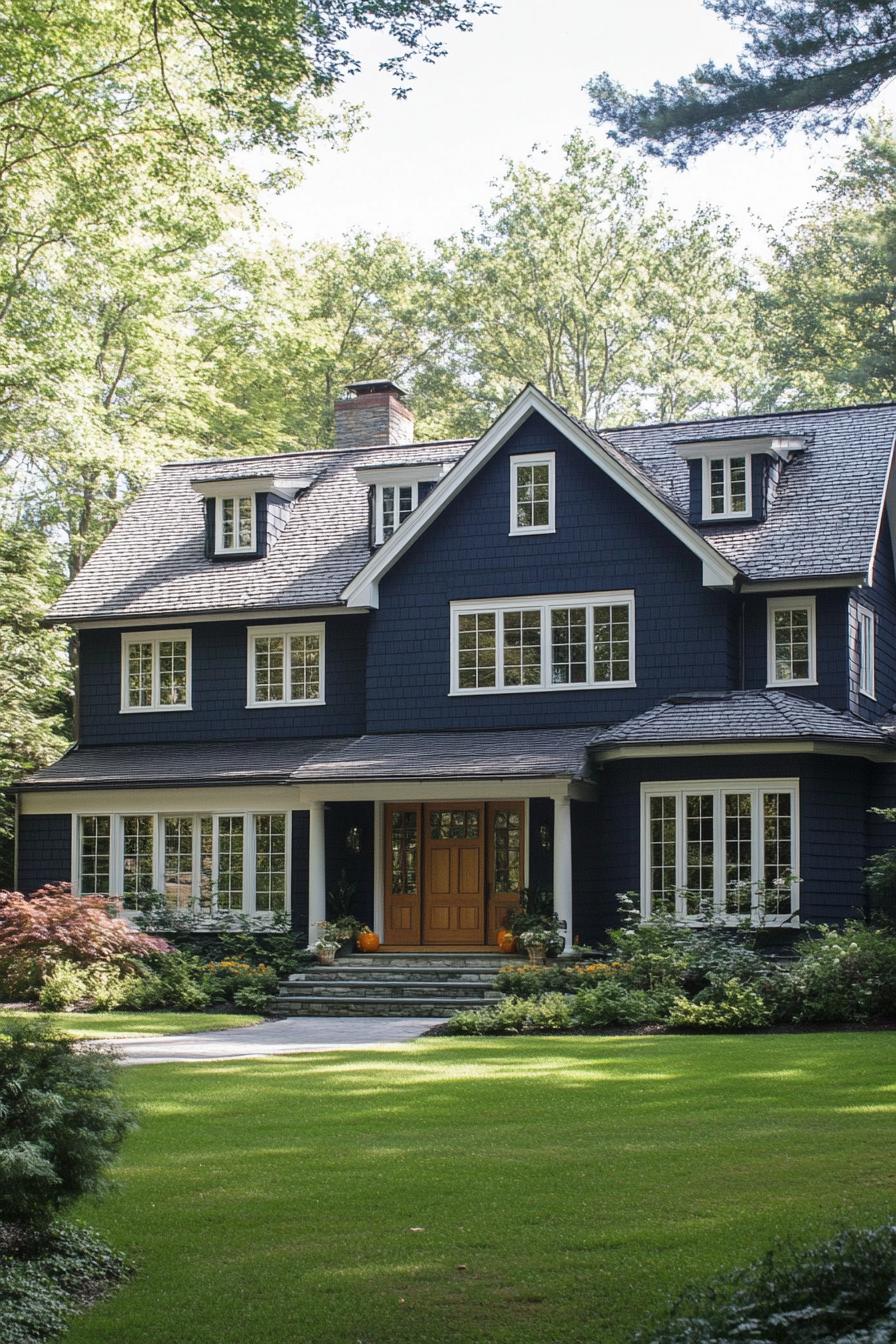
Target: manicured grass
[
  {"x": 92, "y": 1025},
  {"x": 527, "y": 1191}
]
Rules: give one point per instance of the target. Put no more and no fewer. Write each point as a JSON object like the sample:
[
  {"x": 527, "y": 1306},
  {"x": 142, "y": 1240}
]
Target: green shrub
[
  {"x": 62, "y": 1121},
  {"x": 40, "y": 1291},
  {"x": 223, "y": 980},
  {"x": 63, "y": 986},
  {"x": 513, "y": 1016},
  {"x": 111, "y": 987},
  {"x": 730, "y": 1006},
  {"x": 845, "y": 975},
  {"x": 613, "y": 1005},
  {"x": 175, "y": 981},
  {"x": 251, "y": 999},
  {"x": 529, "y": 982},
  {"x": 840, "y": 1292}
]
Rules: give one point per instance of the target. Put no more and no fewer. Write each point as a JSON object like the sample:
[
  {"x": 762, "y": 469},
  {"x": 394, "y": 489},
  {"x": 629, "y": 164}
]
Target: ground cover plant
[
  {"x": 61, "y": 1123},
  {"x": 557, "y": 1191},
  {"x": 667, "y": 974},
  {"x": 841, "y": 1292}
]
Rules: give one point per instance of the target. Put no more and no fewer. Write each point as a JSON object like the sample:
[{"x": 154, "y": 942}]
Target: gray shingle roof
[
  {"x": 740, "y": 716},
  {"x": 536, "y": 754},
  {"x": 153, "y": 561},
  {"x": 823, "y": 519}
]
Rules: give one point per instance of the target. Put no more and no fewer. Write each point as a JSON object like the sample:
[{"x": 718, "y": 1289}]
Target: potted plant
[
  {"x": 325, "y": 948},
  {"x": 535, "y": 925},
  {"x": 342, "y": 932}
]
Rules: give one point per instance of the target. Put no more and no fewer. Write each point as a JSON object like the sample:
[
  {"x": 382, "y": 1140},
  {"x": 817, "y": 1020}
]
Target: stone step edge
[{"x": 349, "y": 986}]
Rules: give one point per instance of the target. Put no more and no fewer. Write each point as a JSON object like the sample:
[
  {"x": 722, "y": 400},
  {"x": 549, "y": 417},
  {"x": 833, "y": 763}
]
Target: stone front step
[
  {"x": 412, "y": 984},
  {"x": 326, "y": 1005}
]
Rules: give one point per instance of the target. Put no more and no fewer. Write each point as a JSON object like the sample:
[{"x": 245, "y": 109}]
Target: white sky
[{"x": 422, "y": 165}]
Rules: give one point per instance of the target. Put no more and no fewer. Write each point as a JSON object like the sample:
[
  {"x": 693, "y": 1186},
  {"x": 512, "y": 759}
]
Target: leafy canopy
[{"x": 814, "y": 63}]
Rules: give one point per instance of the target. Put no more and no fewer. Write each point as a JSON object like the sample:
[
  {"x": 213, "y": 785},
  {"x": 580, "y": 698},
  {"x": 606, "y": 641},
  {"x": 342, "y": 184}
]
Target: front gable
[{"x": 717, "y": 572}]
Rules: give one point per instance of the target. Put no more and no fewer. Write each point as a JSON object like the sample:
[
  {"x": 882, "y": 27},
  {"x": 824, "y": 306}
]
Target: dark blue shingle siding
[{"x": 44, "y": 850}]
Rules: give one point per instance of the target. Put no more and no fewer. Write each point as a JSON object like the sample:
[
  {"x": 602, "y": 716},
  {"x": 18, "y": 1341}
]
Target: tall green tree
[
  {"x": 828, "y": 312},
  {"x": 814, "y": 63},
  {"x": 614, "y": 308}
]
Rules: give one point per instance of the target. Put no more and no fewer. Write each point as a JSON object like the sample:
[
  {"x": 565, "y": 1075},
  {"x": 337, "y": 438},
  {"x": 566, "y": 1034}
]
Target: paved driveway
[{"x": 291, "y": 1035}]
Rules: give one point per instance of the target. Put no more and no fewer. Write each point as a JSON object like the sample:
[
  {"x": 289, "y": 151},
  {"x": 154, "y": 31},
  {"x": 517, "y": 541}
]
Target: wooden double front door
[{"x": 452, "y": 870}]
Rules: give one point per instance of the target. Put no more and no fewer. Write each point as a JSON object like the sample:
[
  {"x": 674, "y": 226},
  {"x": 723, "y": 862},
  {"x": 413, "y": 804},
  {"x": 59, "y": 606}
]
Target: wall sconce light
[
  {"x": 544, "y": 836},
  {"x": 353, "y": 839}
]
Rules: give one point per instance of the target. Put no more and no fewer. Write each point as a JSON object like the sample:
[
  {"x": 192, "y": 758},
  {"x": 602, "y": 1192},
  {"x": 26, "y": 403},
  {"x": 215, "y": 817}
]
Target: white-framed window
[
  {"x": 727, "y": 488},
  {"x": 156, "y": 671},
  {"x": 285, "y": 665},
  {"x": 531, "y": 494},
  {"x": 865, "y": 651},
  {"x": 235, "y": 526},
  {"x": 791, "y": 641},
  {"x": 724, "y": 850},
  {"x": 214, "y": 862},
  {"x": 570, "y": 641},
  {"x": 395, "y": 502}
]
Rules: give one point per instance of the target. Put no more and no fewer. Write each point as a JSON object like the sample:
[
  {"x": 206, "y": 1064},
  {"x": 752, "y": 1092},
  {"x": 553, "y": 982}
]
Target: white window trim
[
  {"x": 254, "y": 632},
  {"x": 543, "y": 604},
  {"x": 866, "y": 652},
  {"x": 790, "y": 604},
  {"x": 155, "y": 637},
  {"x": 729, "y": 514},
  {"x": 220, "y": 548},
  {"x": 116, "y": 852},
  {"x": 532, "y": 460},
  {"x": 718, "y": 787},
  {"x": 378, "y": 519}
]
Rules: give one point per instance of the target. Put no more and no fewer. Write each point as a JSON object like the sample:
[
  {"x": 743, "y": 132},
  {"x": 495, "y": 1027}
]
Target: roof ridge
[
  {"x": 750, "y": 415},
  {"x": 319, "y": 452}
]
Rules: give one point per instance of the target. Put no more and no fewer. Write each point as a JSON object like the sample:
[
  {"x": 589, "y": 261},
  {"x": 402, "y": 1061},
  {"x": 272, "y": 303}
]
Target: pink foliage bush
[{"x": 51, "y": 925}]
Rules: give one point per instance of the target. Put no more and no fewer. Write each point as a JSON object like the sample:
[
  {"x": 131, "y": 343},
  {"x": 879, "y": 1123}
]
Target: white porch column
[
  {"x": 563, "y": 865},
  {"x": 317, "y": 871}
]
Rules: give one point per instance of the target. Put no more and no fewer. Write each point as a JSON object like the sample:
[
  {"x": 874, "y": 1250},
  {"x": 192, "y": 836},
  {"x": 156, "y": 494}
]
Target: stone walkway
[{"x": 291, "y": 1035}]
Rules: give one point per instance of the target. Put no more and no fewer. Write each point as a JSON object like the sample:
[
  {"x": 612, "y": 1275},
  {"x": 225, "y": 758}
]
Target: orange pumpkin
[
  {"x": 368, "y": 941},
  {"x": 506, "y": 940}
]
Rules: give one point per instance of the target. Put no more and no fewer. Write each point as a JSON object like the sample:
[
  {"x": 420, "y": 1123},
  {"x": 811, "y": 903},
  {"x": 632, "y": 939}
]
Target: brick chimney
[{"x": 373, "y": 415}]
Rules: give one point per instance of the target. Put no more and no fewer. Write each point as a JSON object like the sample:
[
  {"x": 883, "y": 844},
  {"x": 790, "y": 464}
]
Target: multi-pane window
[
  {"x": 230, "y": 863},
  {"x": 727, "y": 851},
  {"x": 544, "y": 644},
  {"x": 395, "y": 504},
  {"x": 507, "y": 848},
  {"x": 865, "y": 650},
  {"x": 403, "y": 852},
  {"x": 95, "y": 866},
  {"x": 454, "y": 824},
  {"x": 791, "y": 641},
  {"x": 155, "y": 671},
  {"x": 726, "y": 487},
  {"x": 235, "y": 524},
  {"x": 532, "y": 493},
  {"x": 286, "y": 665}
]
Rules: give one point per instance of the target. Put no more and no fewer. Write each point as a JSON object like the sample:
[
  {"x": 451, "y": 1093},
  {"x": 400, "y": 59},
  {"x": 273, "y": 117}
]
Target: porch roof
[
  {"x": 554, "y": 753},
  {"x": 740, "y": 716}
]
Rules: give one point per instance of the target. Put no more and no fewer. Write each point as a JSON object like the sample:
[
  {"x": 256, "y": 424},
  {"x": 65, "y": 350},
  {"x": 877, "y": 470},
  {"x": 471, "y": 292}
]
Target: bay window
[
  {"x": 721, "y": 851},
  {"x": 234, "y": 862},
  {"x": 576, "y": 641}
]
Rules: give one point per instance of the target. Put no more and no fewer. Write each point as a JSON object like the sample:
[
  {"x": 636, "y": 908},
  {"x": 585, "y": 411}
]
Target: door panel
[
  {"x": 402, "y": 885},
  {"x": 454, "y": 873}
]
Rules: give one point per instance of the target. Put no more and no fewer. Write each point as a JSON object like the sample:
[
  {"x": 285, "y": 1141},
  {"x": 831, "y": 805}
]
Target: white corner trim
[
  {"x": 363, "y": 589},
  {"x": 888, "y": 511},
  {"x": 774, "y": 604},
  {"x": 533, "y": 460},
  {"x": 254, "y": 632}
]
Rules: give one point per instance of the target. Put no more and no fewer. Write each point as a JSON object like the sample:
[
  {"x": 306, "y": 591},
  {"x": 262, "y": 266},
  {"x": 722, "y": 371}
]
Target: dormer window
[
  {"x": 395, "y": 503},
  {"x": 395, "y": 489},
  {"x": 726, "y": 487},
  {"x": 235, "y": 525}
]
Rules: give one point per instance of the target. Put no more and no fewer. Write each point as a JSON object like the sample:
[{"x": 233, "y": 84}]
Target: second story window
[
  {"x": 865, "y": 651},
  {"x": 726, "y": 487},
  {"x": 286, "y": 665},
  {"x": 539, "y": 644},
  {"x": 235, "y": 525},
  {"x": 791, "y": 641},
  {"x": 531, "y": 494},
  {"x": 394, "y": 503},
  {"x": 155, "y": 671}
]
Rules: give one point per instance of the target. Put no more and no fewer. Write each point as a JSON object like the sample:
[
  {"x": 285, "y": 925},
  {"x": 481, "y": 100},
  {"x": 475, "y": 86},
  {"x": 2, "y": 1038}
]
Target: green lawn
[
  {"x": 92, "y": 1025},
  {"x": 528, "y": 1191}
]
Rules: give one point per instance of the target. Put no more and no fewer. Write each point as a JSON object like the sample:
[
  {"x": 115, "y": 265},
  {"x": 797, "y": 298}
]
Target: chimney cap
[{"x": 375, "y": 385}]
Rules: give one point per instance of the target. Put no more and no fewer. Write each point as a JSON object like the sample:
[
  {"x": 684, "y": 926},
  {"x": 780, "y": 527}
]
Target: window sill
[
  {"x": 785, "y": 685},
  {"x": 285, "y": 704},
  {"x": 155, "y": 709},
  {"x": 532, "y": 531},
  {"x": 541, "y": 690}
]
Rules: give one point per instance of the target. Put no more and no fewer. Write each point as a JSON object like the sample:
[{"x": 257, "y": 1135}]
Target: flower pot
[
  {"x": 505, "y": 940},
  {"x": 368, "y": 942},
  {"x": 346, "y": 947},
  {"x": 326, "y": 956},
  {"x": 536, "y": 953}
]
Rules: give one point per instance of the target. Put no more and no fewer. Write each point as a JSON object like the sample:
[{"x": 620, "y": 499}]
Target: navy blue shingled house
[{"x": 659, "y": 658}]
